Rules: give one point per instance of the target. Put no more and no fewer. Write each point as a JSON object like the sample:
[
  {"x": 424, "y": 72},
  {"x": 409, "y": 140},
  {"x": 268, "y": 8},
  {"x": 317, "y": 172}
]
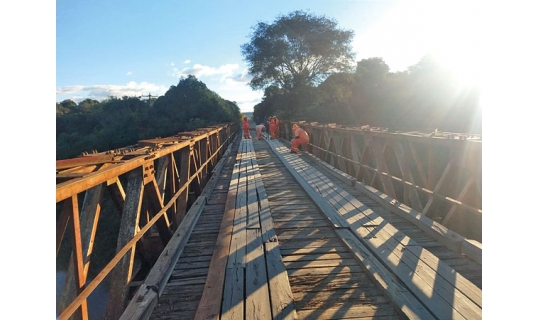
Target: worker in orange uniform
[
  {"x": 276, "y": 129},
  {"x": 260, "y": 128},
  {"x": 300, "y": 137},
  {"x": 272, "y": 127},
  {"x": 245, "y": 125}
]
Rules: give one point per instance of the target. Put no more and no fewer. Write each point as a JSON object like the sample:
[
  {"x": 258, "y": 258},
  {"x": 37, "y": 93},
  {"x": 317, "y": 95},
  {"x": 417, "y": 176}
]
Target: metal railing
[
  {"x": 438, "y": 174},
  {"x": 152, "y": 185}
]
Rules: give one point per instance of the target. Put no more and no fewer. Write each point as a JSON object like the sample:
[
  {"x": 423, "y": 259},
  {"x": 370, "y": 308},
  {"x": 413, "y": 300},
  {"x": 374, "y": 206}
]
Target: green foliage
[
  {"x": 297, "y": 50},
  {"x": 115, "y": 123},
  {"x": 303, "y": 62},
  {"x": 425, "y": 97}
]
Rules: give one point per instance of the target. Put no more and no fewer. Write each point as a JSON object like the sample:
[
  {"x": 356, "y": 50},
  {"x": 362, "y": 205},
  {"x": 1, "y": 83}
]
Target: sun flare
[{"x": 447, "y": 30}]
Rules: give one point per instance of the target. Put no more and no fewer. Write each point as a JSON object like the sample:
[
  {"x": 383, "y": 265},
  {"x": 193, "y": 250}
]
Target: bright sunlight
[{"x": 449, "y": 31}]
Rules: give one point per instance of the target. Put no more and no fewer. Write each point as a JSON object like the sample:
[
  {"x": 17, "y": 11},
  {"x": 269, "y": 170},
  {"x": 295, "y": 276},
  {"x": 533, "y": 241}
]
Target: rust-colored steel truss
[
  {"x": 152, "y": 185},
  {"x": 438, "y": 174}
]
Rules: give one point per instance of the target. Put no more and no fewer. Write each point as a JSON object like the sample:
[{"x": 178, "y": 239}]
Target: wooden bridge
[{"x": 242, "y": 229}]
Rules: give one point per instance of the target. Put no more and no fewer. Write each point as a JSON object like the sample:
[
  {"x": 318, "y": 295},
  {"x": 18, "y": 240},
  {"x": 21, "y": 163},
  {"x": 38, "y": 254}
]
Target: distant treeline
[
  {"x": 115, "y": 123},
  {"x": 425, "y": 97}
]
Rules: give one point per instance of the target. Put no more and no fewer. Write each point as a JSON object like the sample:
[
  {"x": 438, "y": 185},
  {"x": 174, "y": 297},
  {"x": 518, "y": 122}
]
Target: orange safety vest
[{"x": 302, "y": 134}]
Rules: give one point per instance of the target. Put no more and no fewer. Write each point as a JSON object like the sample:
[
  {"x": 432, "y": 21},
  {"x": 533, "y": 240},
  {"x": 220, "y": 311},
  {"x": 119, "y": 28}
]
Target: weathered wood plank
[
  {"x": 445, "y": 236},
  {"x": 322, "y": 270},
  {"x": 449, "y": 238},
  {"x": 252, "y": 199},
  {"x": 301, "y": 224},
  {"x": 280, "y": 291},
  {"x": 267, "y": 224},
  {"x": 308, "y": 244},
  {"x": 319, "y": 250},
  {"x": 366, "y": 223},
  {"x": 257, "y": 295},
  {"x": 442, "y": 298},
  {"x": 316, "y": 256},
  {"x": 338, "y": 263},
  {"x": 313, "y": 193},
  {"x": 238, "y": 242},
  {"x": 350, "y": 312},
  {"x": 452, "y": 285},
  {"x": 396, "y": 291},
  {"x": 338, "y": 281},
  {"x": 339, "y": 298},
  {"x": 233, "y": 294},
  {"x": 210, "y": 304}
]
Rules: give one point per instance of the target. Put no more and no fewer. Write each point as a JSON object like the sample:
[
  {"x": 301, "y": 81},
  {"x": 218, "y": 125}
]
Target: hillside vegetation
[{"x": 119, "y": 122}]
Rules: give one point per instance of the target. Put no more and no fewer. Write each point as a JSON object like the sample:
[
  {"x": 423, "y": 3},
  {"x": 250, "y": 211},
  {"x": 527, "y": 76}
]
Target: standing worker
[
  {"x": 300, "y": 137},
  {"x": 260, "y": 128},
  {"x": 276, "y": 129},
  {"x": 245, "y": 125},
  {"x": 272, "y": 127}
]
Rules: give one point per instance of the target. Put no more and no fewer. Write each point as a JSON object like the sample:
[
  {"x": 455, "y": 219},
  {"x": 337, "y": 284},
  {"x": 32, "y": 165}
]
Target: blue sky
[{"x": 134, "y": 48}]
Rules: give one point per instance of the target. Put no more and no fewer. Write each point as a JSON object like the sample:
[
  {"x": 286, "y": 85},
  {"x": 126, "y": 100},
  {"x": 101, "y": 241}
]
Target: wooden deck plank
[
  {"x": 233, "y": 294},
  {"x": 238, "y": 242},
  {"x": 311, "y": 273},
  {"x": 209, "y": 306},
  {"x": 307, "y": 271},
  {"x": 257, "y": 294},
  {"x": 267, "y": 222},
  {"x": 437, "y": 269},
  {"x": 252, "y": 198},
  {"x": 396, "y": 290},
  {"x": 246, "y": 272},
  {"x": 360, "y": 218},
  {"x": 349, "y": 312},
  {"x": 416, "y": 281},
  {"x": 281, "y": 296}
]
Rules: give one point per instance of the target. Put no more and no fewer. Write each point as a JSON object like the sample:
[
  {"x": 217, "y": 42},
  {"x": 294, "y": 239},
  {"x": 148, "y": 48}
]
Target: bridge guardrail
[
  {"x": 163, "y": 177},
  {"x": 438, "y": 174}
]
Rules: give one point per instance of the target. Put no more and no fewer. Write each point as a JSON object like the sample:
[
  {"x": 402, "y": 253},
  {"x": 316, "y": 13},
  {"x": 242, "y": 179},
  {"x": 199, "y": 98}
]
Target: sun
[
  {"x": 450, "y": 31},
  {"x": 465, "y": 66}
]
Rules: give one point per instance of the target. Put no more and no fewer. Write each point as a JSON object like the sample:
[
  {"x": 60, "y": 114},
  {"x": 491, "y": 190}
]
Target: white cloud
[
  {"x": 129, "y": 73},
  {"x": 243, "y": 77},
  {"x": 101, "y": 92},
  {"x": 187, "y": 61},
  {"x": 200, "y": 71},
  {"x": 226, "y": 81}
]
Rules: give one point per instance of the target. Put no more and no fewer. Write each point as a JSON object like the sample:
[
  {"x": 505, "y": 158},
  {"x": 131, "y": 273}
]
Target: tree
[
  {"x": 335, "y": 95},
  {"x": 66, "y": 107},
  {"x": 372, "y": 70},
  {"x": 370, "y": 92},
  {"x": 297, "y": 50}
]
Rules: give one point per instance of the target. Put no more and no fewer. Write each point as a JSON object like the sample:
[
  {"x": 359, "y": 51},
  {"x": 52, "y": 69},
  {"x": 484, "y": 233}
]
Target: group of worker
[{"x": 300, "y": 135}]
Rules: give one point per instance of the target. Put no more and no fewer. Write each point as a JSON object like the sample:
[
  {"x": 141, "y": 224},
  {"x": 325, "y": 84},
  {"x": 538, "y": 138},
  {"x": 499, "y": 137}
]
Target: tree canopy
[
  {"x": 298, "y": 49},
  {"x": 424, "y": 97},
  {"x": 120, "y": 122}
]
